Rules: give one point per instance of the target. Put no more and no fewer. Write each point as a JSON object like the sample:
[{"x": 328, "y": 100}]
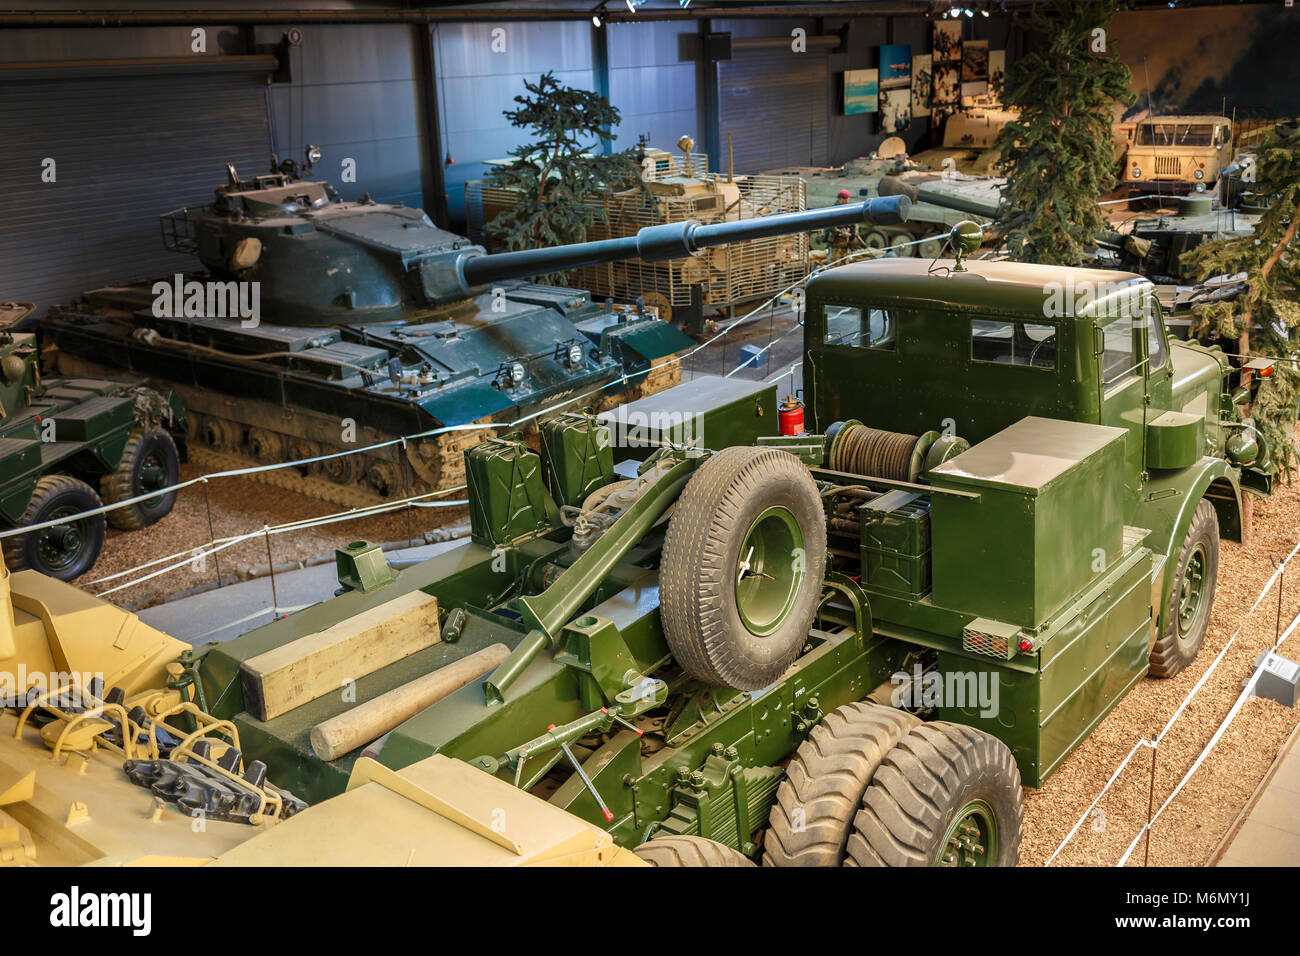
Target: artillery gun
[
  {"x": 60, "y": 435},
  {"x": 714, "y": 641},
  {"x": 361, "y": 323}
]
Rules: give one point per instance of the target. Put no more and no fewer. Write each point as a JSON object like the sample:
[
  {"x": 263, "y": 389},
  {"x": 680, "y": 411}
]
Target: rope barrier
[{"x": 1196, "y": 688}]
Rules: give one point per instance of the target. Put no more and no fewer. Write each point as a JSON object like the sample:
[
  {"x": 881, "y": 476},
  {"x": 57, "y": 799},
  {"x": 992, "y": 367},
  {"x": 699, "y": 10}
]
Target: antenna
[
  {"x": 730, "y": 160},
  {"x": 1151, "y": 110}
]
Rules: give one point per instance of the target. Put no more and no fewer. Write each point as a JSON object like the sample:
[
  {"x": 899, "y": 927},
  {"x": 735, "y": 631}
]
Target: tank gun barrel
[
  {"x": 892, "y": 186},
  {"x": 673, "y": 240}
]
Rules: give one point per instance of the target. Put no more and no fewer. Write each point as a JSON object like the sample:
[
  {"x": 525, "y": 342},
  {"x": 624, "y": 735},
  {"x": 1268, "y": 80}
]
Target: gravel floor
[{"x": 241, "y": 505}]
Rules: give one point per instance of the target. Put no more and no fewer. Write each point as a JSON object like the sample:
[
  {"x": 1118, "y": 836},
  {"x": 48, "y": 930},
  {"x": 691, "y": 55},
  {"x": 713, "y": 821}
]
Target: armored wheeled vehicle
[
  {"x": 71, "y": 445},
  {"x": 323, "y": 326},
  {"x": 717, "y": 642}
]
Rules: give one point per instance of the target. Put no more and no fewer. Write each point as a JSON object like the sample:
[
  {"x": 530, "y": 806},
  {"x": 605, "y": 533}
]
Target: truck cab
[{"x": 1182, "y": 153}]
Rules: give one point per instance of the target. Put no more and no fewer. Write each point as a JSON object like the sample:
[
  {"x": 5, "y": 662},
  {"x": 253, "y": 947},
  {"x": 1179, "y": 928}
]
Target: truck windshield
[{"x": 1175, "y": 134}]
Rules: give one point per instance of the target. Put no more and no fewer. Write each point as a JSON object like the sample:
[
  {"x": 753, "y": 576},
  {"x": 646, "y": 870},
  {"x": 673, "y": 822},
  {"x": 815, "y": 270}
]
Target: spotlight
[
  {"x": 595, "y": 20},
  {"x": 970, "y": 12}
]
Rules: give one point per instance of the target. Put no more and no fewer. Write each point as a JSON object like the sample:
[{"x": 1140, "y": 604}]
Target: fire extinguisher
[{"x": 789, "y": 416}]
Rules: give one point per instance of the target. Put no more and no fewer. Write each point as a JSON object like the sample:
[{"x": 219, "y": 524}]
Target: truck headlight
[
  {"x": 1199, "y": 174},
  {"x": 1137, "y": 173}
]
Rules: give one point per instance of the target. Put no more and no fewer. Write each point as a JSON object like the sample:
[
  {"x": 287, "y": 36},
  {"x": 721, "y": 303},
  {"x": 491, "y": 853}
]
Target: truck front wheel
[
  {"x": 673, "y": 851},
  {"x": 1187, "y": 615}
]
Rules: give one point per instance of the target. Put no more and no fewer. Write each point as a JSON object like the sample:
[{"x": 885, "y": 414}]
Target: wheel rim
[
  {"x": 61, "y": 546},
  {"x": 768, "y": 574},
  {"x": 972, "y": 839},
  {"x": 153, "y": 477},
  {"x": 1192, "y": 590}
]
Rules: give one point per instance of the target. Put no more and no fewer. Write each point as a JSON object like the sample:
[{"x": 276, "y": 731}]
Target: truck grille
[{"x": 1169, "y": 166}]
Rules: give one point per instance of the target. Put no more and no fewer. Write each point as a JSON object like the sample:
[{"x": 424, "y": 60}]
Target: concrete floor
[{"x": 1270, "y": 833}]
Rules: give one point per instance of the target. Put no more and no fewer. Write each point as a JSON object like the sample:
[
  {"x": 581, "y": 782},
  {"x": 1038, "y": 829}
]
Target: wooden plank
[{"x": 285, "y": 677}]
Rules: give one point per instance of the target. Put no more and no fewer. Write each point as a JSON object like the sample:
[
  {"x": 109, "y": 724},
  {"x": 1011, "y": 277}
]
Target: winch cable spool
[{"x": 859, "y": 449}]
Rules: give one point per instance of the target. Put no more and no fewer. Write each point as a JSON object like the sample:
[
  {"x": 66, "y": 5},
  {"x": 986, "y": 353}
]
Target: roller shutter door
[
  {"x": 773, "y": 102},
  {"x": 126, "y": 149}
]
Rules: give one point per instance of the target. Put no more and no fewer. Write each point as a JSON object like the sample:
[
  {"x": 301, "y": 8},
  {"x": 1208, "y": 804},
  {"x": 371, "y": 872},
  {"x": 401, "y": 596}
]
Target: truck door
[{"x": 1121, "y": 345}]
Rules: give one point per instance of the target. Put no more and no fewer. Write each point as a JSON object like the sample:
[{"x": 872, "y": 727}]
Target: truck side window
[
  {"x": 1119, "y": 358},
  {"x": 1013, "y": 343},
  {"x": 863, "y": 328},
  {"x": 1157, "y": 347}
]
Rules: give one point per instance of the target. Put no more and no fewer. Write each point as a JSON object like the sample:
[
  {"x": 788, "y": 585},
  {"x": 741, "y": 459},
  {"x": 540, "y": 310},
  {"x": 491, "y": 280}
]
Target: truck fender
[{"x": 1169, "y": 503}]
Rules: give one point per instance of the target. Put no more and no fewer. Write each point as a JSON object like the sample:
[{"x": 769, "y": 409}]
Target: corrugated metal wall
[
  {"x": 773, "y": 103},
  {"x": 653, "y": 90},
  {"x": 125, "y": 148}
]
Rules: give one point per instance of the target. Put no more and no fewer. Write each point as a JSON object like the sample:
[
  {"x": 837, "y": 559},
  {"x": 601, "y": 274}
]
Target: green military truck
[
  {"x": 848, "y": 647},
  {"x": 60, "y": 438}
]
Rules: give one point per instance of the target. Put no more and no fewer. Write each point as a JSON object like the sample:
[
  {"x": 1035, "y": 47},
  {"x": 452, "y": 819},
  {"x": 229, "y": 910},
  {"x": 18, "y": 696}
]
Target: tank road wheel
[
  {"x": 62, "y": 551},
  {"x": 300, "y": 450},
  {"x": 824, "y": 783},
  {"x": 1187, "y": 616},
  {"x": 876, "y": 241},
  {"x": 946, "y": 795},
  {"x": 150, "y": 462},
  {"x": 221, "y": 435},
  {"x": 342, "y": 470},
  {"x": 931, "y": 247},
  {"x": 267, "y": 447},
  {"x": 689, "y": 851},
  {"x": 742, "y": 567}
]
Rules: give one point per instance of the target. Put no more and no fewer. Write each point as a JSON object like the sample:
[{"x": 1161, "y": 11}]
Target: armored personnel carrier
[
  {"x": 322, "y": 326},
  {"x": 69, "y": 445}
]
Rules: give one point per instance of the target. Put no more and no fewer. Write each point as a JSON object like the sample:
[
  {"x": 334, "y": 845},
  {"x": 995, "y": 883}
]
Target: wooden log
[
  {"x": 332, "y": 738},
  {"x": 302, "y": 670}
]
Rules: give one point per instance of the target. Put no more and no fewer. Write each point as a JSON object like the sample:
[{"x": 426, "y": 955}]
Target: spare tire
[{"x": 742, "y": 567}]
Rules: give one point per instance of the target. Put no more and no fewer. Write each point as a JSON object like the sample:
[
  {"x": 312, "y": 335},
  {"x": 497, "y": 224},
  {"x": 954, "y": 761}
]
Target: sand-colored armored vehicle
[{"x": 677, "y": 187}]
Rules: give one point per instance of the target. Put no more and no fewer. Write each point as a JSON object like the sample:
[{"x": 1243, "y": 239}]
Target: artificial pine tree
[
  {"x": 1058, "y": 153},
  {"x": 1264, "y": 319},
  {"x": 561, "y": 169}
]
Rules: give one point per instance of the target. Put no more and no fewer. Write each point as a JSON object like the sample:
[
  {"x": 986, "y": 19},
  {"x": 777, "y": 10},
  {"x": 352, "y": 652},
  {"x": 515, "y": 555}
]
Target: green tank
[
  {"x": 322, "y": 326},
  {"x": 71, "y": 445}
]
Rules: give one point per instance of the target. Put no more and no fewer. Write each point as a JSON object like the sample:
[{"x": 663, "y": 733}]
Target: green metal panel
[
  {"x": 1175, "y": 440},
  {"x": 1047, "y": 521},
  {"x": 708, "y": 412},
  {"x": 1087, "y": 659}
]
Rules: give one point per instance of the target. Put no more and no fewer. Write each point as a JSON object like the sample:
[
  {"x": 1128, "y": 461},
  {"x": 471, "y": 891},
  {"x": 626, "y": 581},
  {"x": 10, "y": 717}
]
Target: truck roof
[
  {"x": 1171, "y": 118},
  {"x": 1014, "y": 287}
]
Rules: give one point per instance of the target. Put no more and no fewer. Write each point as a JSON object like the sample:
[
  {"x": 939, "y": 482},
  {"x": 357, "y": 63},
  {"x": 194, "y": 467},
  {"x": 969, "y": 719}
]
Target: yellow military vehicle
[{"x": 1177, "y": 154}]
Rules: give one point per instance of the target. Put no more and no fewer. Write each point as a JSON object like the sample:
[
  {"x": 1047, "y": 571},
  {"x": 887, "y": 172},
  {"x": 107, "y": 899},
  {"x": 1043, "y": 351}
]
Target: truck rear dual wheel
[
  {"x": 742, "y": 567},
  {"x": 150, "y": 462},
  {"x": 945, "y": 795},
  {"x": 1187, "y": 615},
  {"x": 824, "y": 783},
  {"x": 63, "y": 551}
]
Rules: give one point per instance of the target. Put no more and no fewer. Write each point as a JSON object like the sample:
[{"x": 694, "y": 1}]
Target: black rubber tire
[
  {"x": 125, "y": 482},
  {"x": 824, "y": 783},
  {"x": 1174, "y": 650},
  {"x": 689, "y": 851},
  {"x": 52, "y": 493},
  {"x": 934, "y": 771},
  {"x": 697, "y": 584}
]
